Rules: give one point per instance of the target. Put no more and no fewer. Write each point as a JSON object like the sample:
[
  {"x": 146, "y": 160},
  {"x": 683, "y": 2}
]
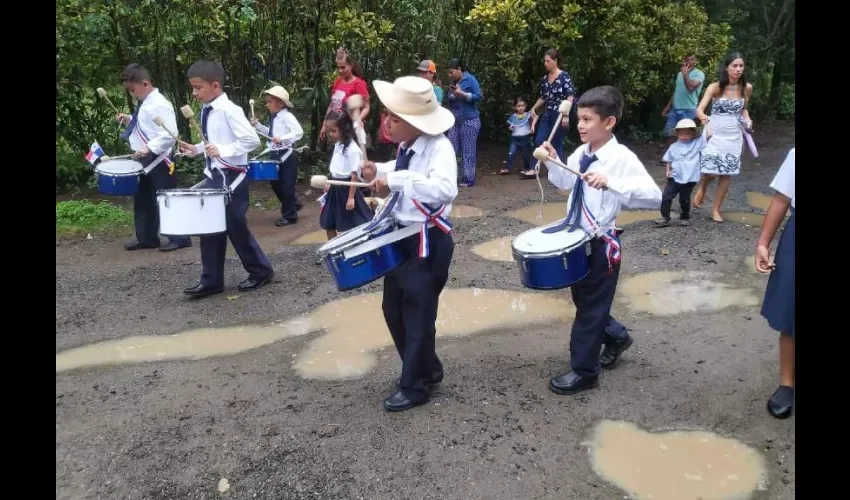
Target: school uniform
[
  {"x": 285, "y": 127},
  {"x": 423, "y": 179},
  {"x": 595, "y": 212},
  {"x": 143, "y": 132},
  {"x": 334, "y": 216},
  {"x": 778, "y": 304},
  {"x": 684, "y": 159},
  {"x": 224, "y": 125}
]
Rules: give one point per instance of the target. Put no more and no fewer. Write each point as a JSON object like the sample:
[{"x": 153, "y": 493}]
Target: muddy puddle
[
  {"x": 352, "y": 330},
  {"x": 667, "y": 293},
  {"x": 465, "y": 211},
  {"x": 314, "y": 238},
  {"x": 758, "y": 200},
  {"x": 498, "y": 250},
  {"x": 676, "y": 465},
  {"x": 192, "y": 344},
  {"x": 746, "y": 218},
  {"x": 557, "y": 211}
]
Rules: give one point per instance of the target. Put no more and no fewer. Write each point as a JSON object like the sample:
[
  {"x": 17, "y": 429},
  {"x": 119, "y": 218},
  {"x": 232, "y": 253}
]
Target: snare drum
[
  {"x": 119, "y": 177},
  {"x": 552, "y": 261},
  {"x": 191, "y": 212},
  {"x": 263, "y": 170},
  {"x": 362, "y": 269}
]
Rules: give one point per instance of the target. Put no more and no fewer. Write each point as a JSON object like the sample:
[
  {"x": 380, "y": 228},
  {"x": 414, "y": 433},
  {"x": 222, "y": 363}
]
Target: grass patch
[{"x": 83, "y": 216}]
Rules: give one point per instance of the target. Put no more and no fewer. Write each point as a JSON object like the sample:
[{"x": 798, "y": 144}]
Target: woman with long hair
[
  {"x": 350, "y": 81},
  {"x": 556, "y": 86},
  {"x": 724, "y": 130}
]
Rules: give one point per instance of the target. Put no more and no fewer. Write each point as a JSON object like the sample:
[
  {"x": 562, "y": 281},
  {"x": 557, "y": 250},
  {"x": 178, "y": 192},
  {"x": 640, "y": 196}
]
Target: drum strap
[
  {"x": 159, "y": 159},
  {"x": 608, "y": 235}
]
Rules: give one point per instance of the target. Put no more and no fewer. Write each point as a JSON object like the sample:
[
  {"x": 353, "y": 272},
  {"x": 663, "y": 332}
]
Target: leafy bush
[{"x": 83, "y": 215}]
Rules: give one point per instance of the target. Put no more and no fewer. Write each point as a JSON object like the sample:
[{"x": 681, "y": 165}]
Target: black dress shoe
[
  {"x": 612, "y": 352},
  {"x": 285, "y": 222},
  {"x": 203, "y": 290},
  {"x": 253, "y": 284},
  {"x": 571, "y": 383},
  {"x": 171, "y": 246},
  {"x": 399, "y": 402},
  {"x": 781, "y": 403},
  {"x": 298, "y": 206},
  {"x": 135, "y": 245}
]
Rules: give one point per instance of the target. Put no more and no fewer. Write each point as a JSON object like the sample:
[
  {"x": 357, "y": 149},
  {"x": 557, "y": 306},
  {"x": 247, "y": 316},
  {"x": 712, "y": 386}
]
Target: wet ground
[{"x": 277, "y": 393}]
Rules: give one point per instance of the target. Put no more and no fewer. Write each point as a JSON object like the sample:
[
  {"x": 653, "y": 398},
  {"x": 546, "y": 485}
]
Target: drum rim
[
  {"x": 326, "y": 250},
  {"x": 99, "y": 168},
  {"x": 548, "y": 253},
  {"x": 191, "y": 192}
]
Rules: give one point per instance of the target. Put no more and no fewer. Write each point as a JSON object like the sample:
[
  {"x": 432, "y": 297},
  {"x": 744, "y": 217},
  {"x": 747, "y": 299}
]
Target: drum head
[
  {"x": 191, "y": 192},
  {"x": 119, "y": 167},
  {"x": 535, "y": 241}
]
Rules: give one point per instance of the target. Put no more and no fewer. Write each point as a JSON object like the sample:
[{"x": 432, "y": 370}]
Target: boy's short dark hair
[
  {"x": 134, "y": 73},
  {"x": 605, "y": 100},
  {"x": 208, "y": 71}
]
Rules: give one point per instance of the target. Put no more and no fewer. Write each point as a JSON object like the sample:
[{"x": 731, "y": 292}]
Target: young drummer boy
[
  {"x": 229, "y": 138},
  {"x": 423, "y": 182},
  {"x": 152, "y": 146},
  {"x": 612, "y": 176}
]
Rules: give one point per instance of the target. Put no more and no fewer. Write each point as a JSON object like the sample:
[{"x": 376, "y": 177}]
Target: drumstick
[
  {"x": 159, "y": 121},
  {"x": 354, "y": 104},
  {"x": 319, "y": 181},
  {"x": 102, "y": 93},
  {"x": 563, "y": 110},
  {"x": 190, "y": 115},
  {"x": 107, "y": 157},
  {"x": 251, "y": 103},
  {"x": 543, "y": 156}
]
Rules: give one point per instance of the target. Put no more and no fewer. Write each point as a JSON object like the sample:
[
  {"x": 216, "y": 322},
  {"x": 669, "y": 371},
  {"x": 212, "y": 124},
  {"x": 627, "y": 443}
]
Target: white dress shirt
[
  {"x": 286, "y": 128},
  {"x": 156, "y": 139},
  {"x": 230, "y": 131},
  {"x": 629, "y": 184},
  {"x": 343, "y": 164},
  {"x": 431, "y": 178},
  {"x": 784, "y": 179}
]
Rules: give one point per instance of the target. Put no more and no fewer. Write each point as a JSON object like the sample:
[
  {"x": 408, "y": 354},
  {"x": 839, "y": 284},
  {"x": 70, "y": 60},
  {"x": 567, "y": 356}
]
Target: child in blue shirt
[
  {"x": 519, "y": 124},
  {"x": 682, "y": 159}
]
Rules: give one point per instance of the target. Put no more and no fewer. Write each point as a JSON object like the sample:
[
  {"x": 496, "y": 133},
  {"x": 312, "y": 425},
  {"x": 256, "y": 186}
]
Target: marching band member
[
  {"x": 152, "y": 146},
  {"x": 229, "y": 138},
  {"x": 423, "y": 182},
  {"x": 614, "y": 176},
  {"x": 285, "y": 131}
]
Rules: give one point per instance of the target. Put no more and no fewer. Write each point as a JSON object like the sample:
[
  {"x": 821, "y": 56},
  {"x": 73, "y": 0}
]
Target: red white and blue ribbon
[
  {"x": 434, "y": 216},
  {"x": 144, "y": 138},
  {"x": 612, "y": 241}
]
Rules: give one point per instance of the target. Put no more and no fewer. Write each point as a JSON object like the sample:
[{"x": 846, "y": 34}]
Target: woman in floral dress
[{"x": 724, "y": 130}]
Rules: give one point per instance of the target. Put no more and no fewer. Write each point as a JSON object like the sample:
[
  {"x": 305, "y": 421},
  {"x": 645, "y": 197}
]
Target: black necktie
[
  {"x": 205, "y": 113},
  {"x": 271, "y": 124}
]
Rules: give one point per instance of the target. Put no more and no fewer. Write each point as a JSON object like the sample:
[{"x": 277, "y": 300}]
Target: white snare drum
[{"x": 191, "y": 212}]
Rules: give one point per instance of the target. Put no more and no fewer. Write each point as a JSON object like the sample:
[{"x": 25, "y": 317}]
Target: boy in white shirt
[
  {"x": 612, "y": 176},
  {"x": 423, "y": 181},
  {"x": 682, "y": 159},
  {"x": 778, "y": 306},
  {"x": 230, "y": 138},
  {"x": 285, "y": 131},
  {"x": 153, "y": 147}
]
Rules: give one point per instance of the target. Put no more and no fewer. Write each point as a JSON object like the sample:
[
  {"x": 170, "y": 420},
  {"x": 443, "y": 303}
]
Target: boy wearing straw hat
[
  {"x": 682, "y": 159},
  {"x": 423, "y": 182},
  {"x": 285, "y": 131}
]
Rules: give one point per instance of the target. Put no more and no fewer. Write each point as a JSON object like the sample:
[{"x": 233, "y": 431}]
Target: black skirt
[{"x": 335, "y": 217}]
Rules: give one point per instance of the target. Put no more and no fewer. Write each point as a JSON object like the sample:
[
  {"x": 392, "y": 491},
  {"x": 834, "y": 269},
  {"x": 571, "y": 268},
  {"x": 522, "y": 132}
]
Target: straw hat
[
  {"x": 280, "y": 93},
  {"x": 412, "y": 98},
  {"x": 686, "y": 123}
]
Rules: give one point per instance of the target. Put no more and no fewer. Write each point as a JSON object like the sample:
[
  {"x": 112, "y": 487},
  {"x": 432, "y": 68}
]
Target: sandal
[{"x": 504, "y": 171}]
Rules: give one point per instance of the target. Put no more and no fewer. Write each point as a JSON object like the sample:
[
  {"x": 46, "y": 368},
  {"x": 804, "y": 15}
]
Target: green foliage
[
  {"x": 82, "y": 216},
  {"x": 633, "y": 44}
]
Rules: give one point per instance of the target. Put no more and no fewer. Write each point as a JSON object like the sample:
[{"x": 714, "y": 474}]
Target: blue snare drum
[
  {"x": 551, "y": 261},
  {"x": 119, "y": 177},
  {"x": 363, "y": 269},
  {"x": 263, "y": 170}
]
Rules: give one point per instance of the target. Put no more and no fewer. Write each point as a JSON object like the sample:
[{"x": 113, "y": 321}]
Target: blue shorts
[{"x": 674, "y": 116}]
